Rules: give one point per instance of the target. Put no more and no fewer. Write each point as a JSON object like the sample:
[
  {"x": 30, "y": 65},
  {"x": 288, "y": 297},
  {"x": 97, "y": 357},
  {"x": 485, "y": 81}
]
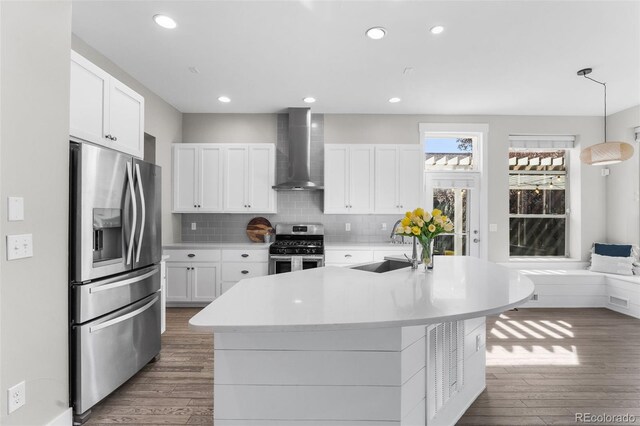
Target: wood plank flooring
[{"x": 543, "y": 367}]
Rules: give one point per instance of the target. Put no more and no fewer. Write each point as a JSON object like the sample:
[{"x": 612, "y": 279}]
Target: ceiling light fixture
[
  {"x": 165, "y": 22},
  {"x": 309, "y": 100},
  {"x": 224, "y": 99},
  {"x": 438, "y": 29},
  {"x": 376, "y": 33},
  {"x": 605, "y": 152},
  {"x": 394, "y": 100}
]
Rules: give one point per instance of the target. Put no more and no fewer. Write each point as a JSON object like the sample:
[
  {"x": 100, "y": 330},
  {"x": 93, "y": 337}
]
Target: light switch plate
[
  {"x": 15, "y": 209},
  {"x": 19, "y": 246},
  {"x": 493, "y": 227}
]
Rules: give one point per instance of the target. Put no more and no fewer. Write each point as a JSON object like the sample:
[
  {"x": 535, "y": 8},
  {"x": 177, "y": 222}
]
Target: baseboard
[{"x": 64, "y": 419}]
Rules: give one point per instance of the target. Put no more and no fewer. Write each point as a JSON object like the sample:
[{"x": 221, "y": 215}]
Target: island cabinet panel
[{"x": 328, "y": 377}]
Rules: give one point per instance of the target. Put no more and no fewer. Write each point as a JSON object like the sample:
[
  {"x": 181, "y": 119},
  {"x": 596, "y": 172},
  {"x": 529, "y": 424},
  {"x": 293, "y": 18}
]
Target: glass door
[{"x": 457, "y": 196}]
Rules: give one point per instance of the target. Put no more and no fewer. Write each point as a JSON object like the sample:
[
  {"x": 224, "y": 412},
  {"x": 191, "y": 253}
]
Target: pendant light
[{"x": 604, "y": 153}]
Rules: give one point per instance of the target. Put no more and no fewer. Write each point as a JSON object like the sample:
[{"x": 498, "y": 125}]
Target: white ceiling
[{"x": 499, "y": 57}]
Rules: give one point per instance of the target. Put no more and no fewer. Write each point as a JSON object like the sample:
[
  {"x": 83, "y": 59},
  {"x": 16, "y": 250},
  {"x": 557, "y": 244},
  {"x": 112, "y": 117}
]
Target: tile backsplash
[{"x": 293, "y": 206}]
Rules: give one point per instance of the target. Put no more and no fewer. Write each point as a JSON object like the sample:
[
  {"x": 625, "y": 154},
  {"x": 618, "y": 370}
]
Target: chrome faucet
[
  {"x": 393, "y": 235},
  {"x": 414, "y": 256}
]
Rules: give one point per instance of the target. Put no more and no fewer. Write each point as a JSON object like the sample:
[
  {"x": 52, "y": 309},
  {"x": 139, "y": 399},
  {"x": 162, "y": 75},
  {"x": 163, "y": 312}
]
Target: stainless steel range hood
[{"x": 299, "y": 153}]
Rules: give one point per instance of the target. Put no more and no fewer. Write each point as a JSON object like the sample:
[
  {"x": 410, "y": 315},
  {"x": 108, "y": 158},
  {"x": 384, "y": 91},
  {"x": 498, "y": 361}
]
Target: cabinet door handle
[
  {"x": 195, "y": 205},
  {"x": 199, "y": 205},
  {"x": 249, "y": 205},
  {"x": 244, "y": 272},
  {"x": 114, "y": 139},
  {"x": 191, "y": 255},
  {"x": 347, "y": 255},
  {"x": 244, "y": 255}
]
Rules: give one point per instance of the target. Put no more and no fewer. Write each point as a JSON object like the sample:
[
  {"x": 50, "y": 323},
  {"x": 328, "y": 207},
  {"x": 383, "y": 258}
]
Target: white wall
[
  {"x": 229, "y": 128},
  {"x": 160, "y": 120},
  {"x": 623, "y": 182},
  {"x": 34, "y": 138}
]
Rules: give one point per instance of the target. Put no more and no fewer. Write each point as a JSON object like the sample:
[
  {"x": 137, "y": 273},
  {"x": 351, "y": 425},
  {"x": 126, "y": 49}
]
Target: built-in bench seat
[{"x": 574, "y": 288}]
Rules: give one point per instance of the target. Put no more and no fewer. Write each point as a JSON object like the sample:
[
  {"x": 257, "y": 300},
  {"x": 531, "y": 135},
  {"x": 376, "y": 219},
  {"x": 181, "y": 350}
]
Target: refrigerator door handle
[
  {"x": 135, "y": 213},
  {"x": 122, "y": 318},
  {"x": 144, "y": 212},
  {"x": 123, "y": 283}
]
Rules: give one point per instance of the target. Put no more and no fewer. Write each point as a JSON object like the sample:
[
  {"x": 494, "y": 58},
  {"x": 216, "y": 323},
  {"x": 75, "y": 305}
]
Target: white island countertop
[{"x": 333, "y": 298}]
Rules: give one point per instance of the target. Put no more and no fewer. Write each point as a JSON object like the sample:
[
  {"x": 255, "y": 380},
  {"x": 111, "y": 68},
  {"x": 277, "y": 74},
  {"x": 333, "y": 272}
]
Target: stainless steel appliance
[
  {"x": 297, "y": 247},
  {"x": 114, "y": 255}
]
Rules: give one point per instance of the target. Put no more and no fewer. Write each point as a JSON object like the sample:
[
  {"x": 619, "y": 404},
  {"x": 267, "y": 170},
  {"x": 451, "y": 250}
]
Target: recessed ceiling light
[
  {"x": 224, "y": 99},
  {"x": 437, "y": 29},
  {"x": 376, "y": 33},
  {"x": 394, "y": 100},
  {"x": 309, "y": 100},
  {"x": 165, "y": 22}
]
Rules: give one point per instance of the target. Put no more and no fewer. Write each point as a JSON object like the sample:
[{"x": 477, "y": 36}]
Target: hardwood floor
[
  {"x": 543, "y": 367},
  {"x": 175, "y": 390}
]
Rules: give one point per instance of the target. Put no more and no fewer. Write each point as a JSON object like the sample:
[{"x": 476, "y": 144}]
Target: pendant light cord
[{"x": 605, "y": 103}]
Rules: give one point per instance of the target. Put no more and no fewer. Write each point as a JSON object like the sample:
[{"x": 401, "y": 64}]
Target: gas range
[
  {"x": 297, "y": 247},
  {"x": 298, "y": 239}
]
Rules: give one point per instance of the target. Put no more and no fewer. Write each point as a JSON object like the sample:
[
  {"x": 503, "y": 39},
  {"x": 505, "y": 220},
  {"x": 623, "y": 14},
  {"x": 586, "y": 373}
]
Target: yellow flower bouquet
[{"x": 425, "y": 227}]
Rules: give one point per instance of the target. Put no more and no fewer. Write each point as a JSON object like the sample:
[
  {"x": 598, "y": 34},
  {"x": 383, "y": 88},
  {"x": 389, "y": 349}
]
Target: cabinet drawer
[
  {"x": 250, "y": 255},
  {"x": 348, "y": 256},
  {"x": 211, "y": 255},
  {"x": 241, "y": 270}
]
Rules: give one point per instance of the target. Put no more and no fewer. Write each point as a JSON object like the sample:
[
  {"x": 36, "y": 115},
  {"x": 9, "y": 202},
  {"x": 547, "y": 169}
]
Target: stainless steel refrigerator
[{"x": 114, "y": 256}]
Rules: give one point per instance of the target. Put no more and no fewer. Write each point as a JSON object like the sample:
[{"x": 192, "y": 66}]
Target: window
[
  {"x": 538, "y": 224},
  {"x": 449, "y": 152}
]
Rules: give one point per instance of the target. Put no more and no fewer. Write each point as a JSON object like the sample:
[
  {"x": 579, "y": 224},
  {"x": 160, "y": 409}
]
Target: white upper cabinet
[
  {"x": 348, "y": 179},
  {"x": 103, "y": 110},
  {"x": 249, "y": 174},
  {"x": 399, "y": 177},
  {"x": 232, "y": 178},
  {"x": 197, "y": 178},
  {"x": 126, "y": 119}
]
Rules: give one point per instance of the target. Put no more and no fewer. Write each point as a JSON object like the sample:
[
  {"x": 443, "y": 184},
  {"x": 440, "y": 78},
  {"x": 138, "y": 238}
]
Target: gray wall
[
  {"x": 229, "y": 128},
  {"x": 34, "y": 140},
  {"x": 161, "y": 120},
  {"x": 587, "y": 222},
  {"x": 623, "y": 182}
]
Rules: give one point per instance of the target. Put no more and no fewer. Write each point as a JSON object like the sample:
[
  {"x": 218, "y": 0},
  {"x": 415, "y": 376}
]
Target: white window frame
[
  {"x": 480, "y": 132},
  {"x": 533, "y": 142}
]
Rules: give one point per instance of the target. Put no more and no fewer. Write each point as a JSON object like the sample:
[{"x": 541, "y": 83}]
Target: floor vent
[{"x": 617, "y": 301}]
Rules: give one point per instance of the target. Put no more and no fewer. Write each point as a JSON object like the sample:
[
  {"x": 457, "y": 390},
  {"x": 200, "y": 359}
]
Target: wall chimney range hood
[{"x": 299, "y": 153}]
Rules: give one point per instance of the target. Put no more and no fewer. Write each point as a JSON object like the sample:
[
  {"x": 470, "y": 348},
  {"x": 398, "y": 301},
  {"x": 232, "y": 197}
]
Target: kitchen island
[{"x": 335, "y": 346}]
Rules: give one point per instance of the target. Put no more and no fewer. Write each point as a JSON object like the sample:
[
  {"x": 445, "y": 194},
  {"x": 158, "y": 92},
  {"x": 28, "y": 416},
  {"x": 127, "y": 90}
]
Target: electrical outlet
[
  {"x": 383, "y": 227},
  {"x": 193, "y": 226},
  {"x": 16, "y": 397},
  {"x": 347, "y": 227}
]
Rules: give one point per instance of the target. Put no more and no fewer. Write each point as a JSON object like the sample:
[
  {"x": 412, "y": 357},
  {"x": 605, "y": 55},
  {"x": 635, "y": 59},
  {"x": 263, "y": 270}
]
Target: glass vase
[{"x": 427, "y": 253}]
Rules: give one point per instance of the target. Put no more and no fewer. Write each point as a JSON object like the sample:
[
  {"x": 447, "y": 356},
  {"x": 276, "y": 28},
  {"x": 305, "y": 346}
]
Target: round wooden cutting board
[{"x": 257, "y": 228}]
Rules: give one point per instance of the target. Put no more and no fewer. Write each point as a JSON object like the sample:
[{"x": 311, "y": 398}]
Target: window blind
[{"x": 542, "y": 141}]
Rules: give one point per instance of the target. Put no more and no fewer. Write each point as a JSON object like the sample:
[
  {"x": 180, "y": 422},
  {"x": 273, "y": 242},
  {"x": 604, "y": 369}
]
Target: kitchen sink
[{"x": 387, "y": 265}]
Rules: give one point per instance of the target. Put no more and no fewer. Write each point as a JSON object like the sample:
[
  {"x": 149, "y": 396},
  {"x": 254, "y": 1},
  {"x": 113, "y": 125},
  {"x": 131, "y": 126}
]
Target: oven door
[{"x": 282, "y": 264}]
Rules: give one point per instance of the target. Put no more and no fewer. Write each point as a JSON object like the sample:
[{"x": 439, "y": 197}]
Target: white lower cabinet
[
  {"x": 346, "y": 257},
  {"x": 238, "y": 264},
  {"x": 193, "y": 276}
]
